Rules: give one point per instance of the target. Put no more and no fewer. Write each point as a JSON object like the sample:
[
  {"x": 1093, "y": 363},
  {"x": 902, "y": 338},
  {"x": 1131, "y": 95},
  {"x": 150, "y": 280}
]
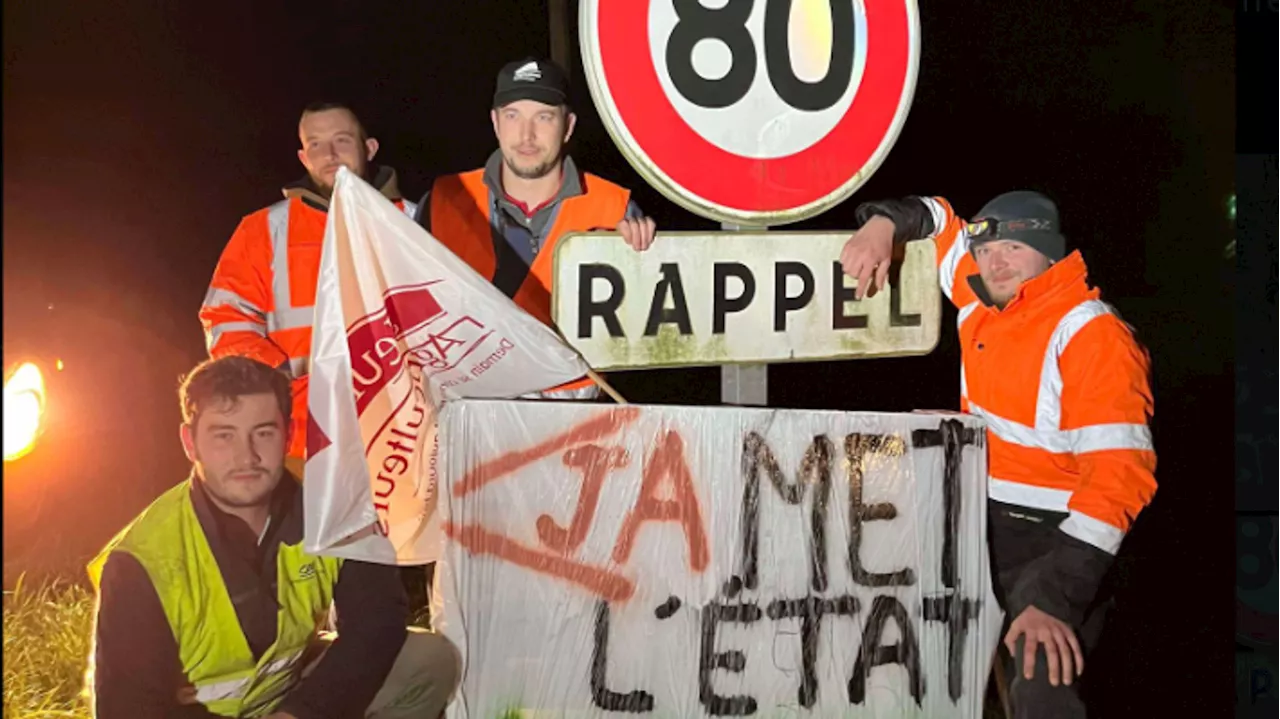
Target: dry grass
[{"x": 46, "y": 648}]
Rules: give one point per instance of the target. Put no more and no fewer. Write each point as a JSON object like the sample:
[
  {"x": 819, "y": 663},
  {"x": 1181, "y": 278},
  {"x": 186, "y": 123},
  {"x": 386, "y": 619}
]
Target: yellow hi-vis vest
[{"x": 169, "y": 543}]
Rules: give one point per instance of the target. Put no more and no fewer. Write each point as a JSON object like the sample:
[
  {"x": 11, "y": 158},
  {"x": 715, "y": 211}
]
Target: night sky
[{"x": 137, "y": 134}]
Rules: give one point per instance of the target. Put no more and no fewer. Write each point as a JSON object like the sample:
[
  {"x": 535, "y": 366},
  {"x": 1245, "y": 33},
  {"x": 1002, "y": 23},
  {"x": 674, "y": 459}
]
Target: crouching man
[{"x": 209, "y": 606}]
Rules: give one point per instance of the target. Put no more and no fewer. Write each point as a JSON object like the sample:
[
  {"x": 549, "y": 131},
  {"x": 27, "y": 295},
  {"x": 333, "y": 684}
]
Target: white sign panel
[
  {"x": 736, "y": 297},
  {"x": 699, "y": 562},
  {"x": 752, "y": 112}
]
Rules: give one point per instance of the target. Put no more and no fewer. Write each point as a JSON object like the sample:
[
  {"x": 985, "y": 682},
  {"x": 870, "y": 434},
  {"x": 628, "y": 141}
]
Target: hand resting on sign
[
  {"x": 866, "y": 256},
  {"x": 638, "y": 232},
  {"x": 1060, "y": 646}
]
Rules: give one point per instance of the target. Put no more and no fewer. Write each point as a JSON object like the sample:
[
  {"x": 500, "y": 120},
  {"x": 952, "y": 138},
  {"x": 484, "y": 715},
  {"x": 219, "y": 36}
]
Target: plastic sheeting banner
[
  {"x": 695, "y": 562},
  {"x": 401, "y": 324}
]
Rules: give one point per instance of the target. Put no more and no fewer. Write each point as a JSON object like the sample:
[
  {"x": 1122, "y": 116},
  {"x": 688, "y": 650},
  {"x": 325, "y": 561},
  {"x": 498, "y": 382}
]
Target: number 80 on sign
[{"x": 752, "y": 112}]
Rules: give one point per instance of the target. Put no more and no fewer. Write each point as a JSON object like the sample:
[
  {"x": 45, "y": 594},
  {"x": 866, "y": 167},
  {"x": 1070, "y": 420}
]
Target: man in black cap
[
  {"x": 505, "y": 218},
  {"x": 1063, "y": 386}
]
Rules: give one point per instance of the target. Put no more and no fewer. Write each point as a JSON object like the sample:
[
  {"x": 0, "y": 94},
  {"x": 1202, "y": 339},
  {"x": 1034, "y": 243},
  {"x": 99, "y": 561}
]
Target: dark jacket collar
[{"x": 384, "y": 178}]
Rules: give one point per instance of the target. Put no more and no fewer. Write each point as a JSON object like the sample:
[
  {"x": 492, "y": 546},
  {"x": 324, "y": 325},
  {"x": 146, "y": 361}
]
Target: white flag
[{"x": 401, "y": 324}]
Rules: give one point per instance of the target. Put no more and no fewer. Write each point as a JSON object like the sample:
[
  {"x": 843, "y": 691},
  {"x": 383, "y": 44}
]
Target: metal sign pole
[
  {"x": 558, "y": 12},
  {"x": 744, "y": 384}
]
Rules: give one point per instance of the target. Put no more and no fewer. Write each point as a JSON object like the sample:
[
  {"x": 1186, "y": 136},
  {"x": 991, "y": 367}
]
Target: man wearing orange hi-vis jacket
[
  {"x": 261, "y": 299},
  {"x": 505, "y": 218},
  {"x": 1063, "y": 385}
]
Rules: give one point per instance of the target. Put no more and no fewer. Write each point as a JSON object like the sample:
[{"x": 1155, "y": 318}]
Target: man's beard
[
  {"x": 999, "y": 300},
  {"x": 325, "y": 188},
  {"x": 535, "y": 173}
]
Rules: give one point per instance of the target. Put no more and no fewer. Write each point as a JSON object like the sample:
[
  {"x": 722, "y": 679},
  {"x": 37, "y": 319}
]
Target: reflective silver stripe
[
  {"x": 218, "y": 297},
  {"x": 1049, "y": 399},
  {"x": 1094, "y": 438},
  {"x": 299, "y": 366},
  {"x": 283, "y": 663},
  {"x": 590, "y": 391},
  {"x": 285, "y": 316},
  {"x": 293, "y": 318},
  {"x": 961, "y": 316},
  {"x": 1028, "y": 495},
  {"x": 1101, "y": 437},
  {"x": 950, "y": 261},
  {"x": 1093, "y": 531},
  {"x": 410, "y": 208},
  {"x": 1021, "y": 434},
  {"x": 278, "y": 226},
  {"x": 215, "y": 332},
  {"x": 218, "y": 691}
]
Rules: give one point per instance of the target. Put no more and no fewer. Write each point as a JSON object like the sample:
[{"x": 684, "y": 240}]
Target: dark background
[{"x": 136, "y": 134}]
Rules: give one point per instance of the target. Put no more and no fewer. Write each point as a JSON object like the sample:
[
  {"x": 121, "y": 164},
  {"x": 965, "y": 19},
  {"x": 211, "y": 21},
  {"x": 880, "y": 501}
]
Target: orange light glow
[{"x": 24, "y": 398}]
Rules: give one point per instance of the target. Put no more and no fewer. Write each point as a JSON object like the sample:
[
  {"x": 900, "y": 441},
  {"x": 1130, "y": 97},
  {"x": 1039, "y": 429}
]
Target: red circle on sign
[{"x": 775, "y": 184}]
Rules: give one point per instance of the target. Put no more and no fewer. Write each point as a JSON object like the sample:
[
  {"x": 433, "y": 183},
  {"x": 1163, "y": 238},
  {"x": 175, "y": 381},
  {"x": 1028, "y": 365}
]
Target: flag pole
[
  {"x": 595, "y": 377},
  {"x": 605, "y": 386}
]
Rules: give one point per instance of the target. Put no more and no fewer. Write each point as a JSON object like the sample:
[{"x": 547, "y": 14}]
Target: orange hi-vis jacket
[
  {"x": 1063, "y": 386},
  {"x": 461, "y": 211},
  {"x": 261, "y": 300}
]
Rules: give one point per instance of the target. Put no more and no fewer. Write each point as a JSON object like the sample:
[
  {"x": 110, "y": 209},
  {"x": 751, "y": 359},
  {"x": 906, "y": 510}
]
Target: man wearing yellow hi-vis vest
[{"x": 209, "y": 606}]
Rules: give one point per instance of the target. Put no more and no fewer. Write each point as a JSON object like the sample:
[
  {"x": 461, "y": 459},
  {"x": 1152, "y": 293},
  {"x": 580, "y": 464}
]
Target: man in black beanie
[{"x": 1064, "y": 388}]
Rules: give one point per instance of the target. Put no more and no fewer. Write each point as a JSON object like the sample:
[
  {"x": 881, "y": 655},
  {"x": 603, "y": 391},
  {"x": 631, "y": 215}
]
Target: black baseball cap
[
  {"x": 531, "y": 79},
  {"x": 1022, "y": 215}
]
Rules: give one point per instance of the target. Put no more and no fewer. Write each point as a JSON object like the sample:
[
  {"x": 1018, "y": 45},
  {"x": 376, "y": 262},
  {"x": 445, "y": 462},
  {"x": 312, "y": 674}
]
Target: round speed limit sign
[{"x": 752, "y": 112}]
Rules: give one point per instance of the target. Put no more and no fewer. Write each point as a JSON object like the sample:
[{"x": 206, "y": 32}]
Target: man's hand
[
  {"x": 866, "y": 256},
  {"x": 638, "y": 232},
  {"x": 1060, "y": 645}
]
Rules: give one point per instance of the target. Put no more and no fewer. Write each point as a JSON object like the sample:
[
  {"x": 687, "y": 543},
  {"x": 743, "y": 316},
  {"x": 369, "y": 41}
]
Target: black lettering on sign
[
  {"x": 697, "y": 22},
  {"x": 783, "y": 303},
  {"x": 810, "y": 611},
  {"x": 722, "y": 304},
  {"x": 859, "y": 449},
  {"x": 956, "y": 612},
  {"x": 667, "y": 609},
  {"x": 815, "y": 469},
  {"x": 840, "y": 295},
  {"x": 873, "y": 653},
  {"x": 636, "y": 702},
  {"x": 952, "y": 436},
  {"x": 606, "y": 309},
  {"x": 713, "y": 615},
  {"x": 728, "y": 25},
  {"x": 953, "y": 609},
  {"x": 896, "y": 318},
  {"x": 679, "y": 312},
  {"x": 811, "y": 96}
]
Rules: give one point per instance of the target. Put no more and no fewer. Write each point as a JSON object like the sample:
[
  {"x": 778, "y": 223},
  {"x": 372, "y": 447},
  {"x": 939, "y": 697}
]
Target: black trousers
[{"x": 1017, "y": 536}]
